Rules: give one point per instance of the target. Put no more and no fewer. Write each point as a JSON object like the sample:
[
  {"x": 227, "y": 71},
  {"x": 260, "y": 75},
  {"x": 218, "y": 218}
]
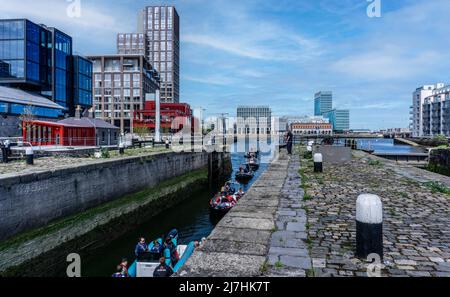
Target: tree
[
  {"x": 27, "y": 115},
  {"x": 141, "y": 131}
]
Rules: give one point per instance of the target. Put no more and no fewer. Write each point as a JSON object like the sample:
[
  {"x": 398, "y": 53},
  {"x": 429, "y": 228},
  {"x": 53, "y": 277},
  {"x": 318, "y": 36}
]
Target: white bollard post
[
  {"x": 121, "y": 148},
  {"x": 369, "y": 226},
  {"x": 30, "y": 156},
  {"x": 318, "y": 163}
]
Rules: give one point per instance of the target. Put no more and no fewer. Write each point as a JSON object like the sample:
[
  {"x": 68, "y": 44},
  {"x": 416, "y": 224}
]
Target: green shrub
[{"x": 105, "y": 153}]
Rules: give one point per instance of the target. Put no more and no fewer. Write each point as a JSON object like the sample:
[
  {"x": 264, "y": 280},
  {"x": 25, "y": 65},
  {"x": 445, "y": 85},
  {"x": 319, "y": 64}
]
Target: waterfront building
[
  {"x": 174, "y": 116},
  {"x": 417, "y": 112},
  {"x": 132, "y": 43},
  {"x": 312, "y": 128},
  {"x": 76, "y": 131},
  {"x": 436, "y": 113},
  {"x": 121, "y": 83},
  {"x": 161, "y": 27},
  {"x": 254, "y": 120},
  {"x": 339, "y": 119},
  {"x": 323, "y": 102},
  {"x": 38, "y": 59}
]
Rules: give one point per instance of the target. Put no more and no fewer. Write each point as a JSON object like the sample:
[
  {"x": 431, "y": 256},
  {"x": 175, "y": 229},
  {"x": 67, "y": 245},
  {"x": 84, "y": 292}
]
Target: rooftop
[{"x": 17, "y": 96}]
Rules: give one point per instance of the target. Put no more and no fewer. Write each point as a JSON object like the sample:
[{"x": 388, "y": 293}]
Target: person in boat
[
  {"x": 118, "y": 272},
  {"x": 247, "y": 168},
  {"x": 240, "y": 193},
  {"x": 162, "y": 270},
  {"x": 157, "y": 247},
  {"x": 124, "y": 267},
  {"x": 171, "y": 246},
  {"x": 141, "y": 248}
]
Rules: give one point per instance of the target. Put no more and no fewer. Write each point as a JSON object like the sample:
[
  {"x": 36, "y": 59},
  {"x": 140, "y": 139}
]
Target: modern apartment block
[
  {"x": 254, "y": 120},
  {"x": 161, "y": 27},
  {"x": 323, "y": 102},
  {"x": 36, "y": 64},
  {"x": 436, "y": 113},
  {"x": 121, "y": 83},
  {"x": 339, "y": 119},
  {"x": 419, "y": 96},
  {"x": 132, "y": 43}
]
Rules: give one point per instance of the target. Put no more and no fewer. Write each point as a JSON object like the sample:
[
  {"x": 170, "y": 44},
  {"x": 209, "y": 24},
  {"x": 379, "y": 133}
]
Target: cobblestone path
[{"x": 416, "y": 219}]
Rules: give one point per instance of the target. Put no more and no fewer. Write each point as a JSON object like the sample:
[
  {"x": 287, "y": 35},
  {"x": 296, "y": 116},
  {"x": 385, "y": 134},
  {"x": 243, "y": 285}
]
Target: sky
[{"x": 280, "y": 52}]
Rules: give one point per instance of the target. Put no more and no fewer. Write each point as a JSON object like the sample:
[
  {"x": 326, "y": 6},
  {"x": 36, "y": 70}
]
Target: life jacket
[{"x": 163, "y": 271}]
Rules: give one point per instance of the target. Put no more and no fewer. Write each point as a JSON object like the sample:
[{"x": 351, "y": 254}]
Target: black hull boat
[{"x": 244, "y": 177}]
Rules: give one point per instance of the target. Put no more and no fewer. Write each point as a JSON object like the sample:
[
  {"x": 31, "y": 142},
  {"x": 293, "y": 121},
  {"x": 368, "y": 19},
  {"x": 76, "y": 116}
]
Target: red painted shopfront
[{"x": 54, "y": 133}]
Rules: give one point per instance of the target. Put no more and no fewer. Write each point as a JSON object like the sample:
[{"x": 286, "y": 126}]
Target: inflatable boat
[
  {"x": 244, "y": 177},
  {"x": 147, "y": 263},
  {"x": 254, "y": 164}
]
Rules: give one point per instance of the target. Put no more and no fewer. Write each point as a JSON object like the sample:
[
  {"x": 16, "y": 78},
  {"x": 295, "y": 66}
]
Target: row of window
[{"x": 12, "y": 29}]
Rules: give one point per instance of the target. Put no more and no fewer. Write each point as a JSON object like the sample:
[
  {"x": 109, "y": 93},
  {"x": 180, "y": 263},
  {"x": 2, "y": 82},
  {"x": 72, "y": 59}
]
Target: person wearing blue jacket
[{"x": 141, "y": 248}]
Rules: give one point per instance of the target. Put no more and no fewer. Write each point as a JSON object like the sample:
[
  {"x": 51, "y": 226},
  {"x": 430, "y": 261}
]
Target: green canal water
[{"x": 191, "y": 217}]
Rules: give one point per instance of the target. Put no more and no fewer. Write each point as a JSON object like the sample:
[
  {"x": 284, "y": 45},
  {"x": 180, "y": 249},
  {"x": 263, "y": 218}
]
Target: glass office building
[
  {"x": 39, "y": 59},
  {"x": 323, "y": 102},
  {"x": 82, "y": 83},
  {"x": 62, "y": 52},
  {"x": 25, "y": 53},
  {"x": 339, "y": 118}
]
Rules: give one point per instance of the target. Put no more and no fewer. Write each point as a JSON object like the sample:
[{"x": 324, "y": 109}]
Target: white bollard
[
  {"x": 30, "y": 156},
  {"x": 369, "y": 226},
  {"x": 121, "y": 148},
  {"x": 318, "y": 163}
]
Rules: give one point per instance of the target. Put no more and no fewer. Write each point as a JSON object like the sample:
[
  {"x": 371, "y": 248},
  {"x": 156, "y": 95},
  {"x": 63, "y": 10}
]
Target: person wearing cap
[{"x": 162, "y": 270}]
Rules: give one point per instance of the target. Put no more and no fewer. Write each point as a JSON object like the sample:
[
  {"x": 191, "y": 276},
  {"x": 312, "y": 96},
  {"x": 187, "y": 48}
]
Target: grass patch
[
  {"x": 264, "y": 268},
  {"x": 310, "y": 272},
  {"x": 375, "y": 162},
  {"x": 437, "y": 187},
  {"x": 278, "y": 265},
  {"x": 156, "y": 192}
]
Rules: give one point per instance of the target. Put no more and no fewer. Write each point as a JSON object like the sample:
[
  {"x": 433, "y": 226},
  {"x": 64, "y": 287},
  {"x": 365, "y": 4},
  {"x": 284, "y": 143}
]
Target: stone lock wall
[
  {"x": 439, "y": 161},
  {"x": 33, "y": 200}
]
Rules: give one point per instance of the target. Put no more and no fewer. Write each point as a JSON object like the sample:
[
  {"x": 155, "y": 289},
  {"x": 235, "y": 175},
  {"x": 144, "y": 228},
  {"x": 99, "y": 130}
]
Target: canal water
[
  {"x": 191, "y": 217},
  {"x": 384, "y": 145}
]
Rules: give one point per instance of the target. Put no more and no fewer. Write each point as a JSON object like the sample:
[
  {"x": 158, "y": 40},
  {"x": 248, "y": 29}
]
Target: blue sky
[{"x": 281, "y": 52}]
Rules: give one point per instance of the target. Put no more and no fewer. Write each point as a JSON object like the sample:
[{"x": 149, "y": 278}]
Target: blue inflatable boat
[{"x": 147, "y": 263}]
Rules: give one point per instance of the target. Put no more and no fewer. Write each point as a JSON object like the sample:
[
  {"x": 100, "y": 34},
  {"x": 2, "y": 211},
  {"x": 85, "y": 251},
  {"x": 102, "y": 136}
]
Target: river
[{"x": 384, "y": 145}]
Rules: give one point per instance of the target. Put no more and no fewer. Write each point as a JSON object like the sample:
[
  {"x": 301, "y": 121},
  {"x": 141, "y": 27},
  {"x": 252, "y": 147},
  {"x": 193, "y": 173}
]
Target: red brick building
[{"x": 174, "y": 116}]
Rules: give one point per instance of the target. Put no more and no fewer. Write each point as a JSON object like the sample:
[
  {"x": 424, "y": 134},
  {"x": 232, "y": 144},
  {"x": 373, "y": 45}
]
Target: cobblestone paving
[
  {"x": 416, "y": 226},
  {"x": 288, "y": 253}
]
